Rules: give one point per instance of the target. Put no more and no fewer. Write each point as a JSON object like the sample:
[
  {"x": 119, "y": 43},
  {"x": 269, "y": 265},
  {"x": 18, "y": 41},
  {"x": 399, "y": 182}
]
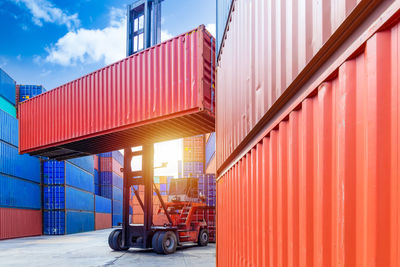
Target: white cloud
[
  {"x": 165, "y": 35},
  {"x": 211, "y": 28},
  {"x": 45, "y": 11},
  {"x": 88, "y": 46}
]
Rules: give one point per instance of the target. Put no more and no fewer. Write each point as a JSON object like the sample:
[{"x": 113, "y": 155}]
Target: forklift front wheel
[
  {"x": 203, "y": 237},
  {"x": 115, "y": 240},
  {"x": 166, "y": 242}
]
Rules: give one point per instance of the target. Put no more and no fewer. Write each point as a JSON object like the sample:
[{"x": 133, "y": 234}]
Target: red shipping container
[
  {"x": 20, "y": 223},
  {"x": 161, "y": 93},
  {"x": 102, "y": 220},
  {"x": 271, "y": 49},
  {"x": 320, "y": 185},
  {"x": 110, "y": 165}
]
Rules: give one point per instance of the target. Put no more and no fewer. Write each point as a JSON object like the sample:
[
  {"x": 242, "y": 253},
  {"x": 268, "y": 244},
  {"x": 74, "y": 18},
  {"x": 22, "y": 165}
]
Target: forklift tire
[
  {"x": 116, "y": 240},
  {"x": 167, "y": 243},
  {"x": 110, "y": 240},
  {"x": 203, "y": 237},
  {"x": 154, "y": 242}
]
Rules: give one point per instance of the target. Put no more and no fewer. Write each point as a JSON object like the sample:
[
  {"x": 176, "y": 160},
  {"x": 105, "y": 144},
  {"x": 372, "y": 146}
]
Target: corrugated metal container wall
[
  {"x": 268, "y": 44},
  {"x": 102, "y": 205},
  {"x": 9, "y": 128},
  {"x": 320, "y": 187},
  {"x": 18, "y": 193},
  {"x": 85, "y": 163},
  {"x": 19, "y": 223},
  {"x": 21, "y": 166},
  {"x": 178, "y": 89}
]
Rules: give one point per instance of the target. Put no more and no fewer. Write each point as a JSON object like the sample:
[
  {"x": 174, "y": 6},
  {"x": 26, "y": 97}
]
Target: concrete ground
[{"x": 91, "y": 249}]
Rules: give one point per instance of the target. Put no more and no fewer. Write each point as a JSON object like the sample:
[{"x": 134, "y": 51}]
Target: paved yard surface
[{"x": 91, "y": 249}]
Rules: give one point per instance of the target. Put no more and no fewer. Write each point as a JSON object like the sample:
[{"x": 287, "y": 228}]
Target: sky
[{"x": 51, "y": 42}]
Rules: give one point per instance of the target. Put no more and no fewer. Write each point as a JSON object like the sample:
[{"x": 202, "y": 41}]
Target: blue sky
[{"x": 51, "y": 42}]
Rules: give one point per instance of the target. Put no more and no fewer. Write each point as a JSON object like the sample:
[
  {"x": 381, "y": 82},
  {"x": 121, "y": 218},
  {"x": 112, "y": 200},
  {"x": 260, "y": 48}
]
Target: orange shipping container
[{"x": 319, "y": 186}]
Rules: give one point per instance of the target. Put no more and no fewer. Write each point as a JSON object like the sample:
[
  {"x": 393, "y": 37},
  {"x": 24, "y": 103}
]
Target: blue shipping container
[
  {"x": 9, "y": 128},
  {"x": 85, "y": 163},
  {"x": 79, "y": 200},
  {"x": 54, "y": 197},
  {"x": 65, "y": 197},
  {"x": 22, "y": 166},
  {"x": 117, "y": 193},
  {"x": 111, "y": 178},
  {"x": 78, "y": 222},
  {"x": 7, "y": 87},
  {"x": 79, "y": 178},
  {"x": 28, "y": 91},
  {"x": 106, "y": 191},
  {"x": 116, "y": 207},
  {"x": 102, "y": 204},
  {"x": 97, "y": 190},
  {"x": 111, "y": 192},
  {"x": 96, "y": 177},
  {"x": 67, "y": 222},
  {"x": 210, "y": 148},
  {"x": 17, "y": 193},
  {"x": 54, "y": 172},
  {"x": 54, "y": 222},
  {"x": 116, "y": 219},
  {"x": 117, "y": 155}
]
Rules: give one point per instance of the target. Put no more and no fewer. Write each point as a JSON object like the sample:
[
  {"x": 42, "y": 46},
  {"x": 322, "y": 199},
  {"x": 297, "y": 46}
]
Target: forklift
[{"x": 185, "y": 214}]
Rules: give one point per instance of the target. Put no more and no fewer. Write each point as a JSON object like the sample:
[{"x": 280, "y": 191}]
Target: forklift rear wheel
[
  {"x": 167, "y": 243},
  {"x": 203, "y": 237},
  {"x": 115, "y": 240}
]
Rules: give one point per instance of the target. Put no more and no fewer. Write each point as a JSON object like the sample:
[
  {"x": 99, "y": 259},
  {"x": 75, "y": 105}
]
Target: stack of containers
[
  {"x": 162, "y": 184},
  {"x": 68, "y": 199},
  {"x": 111, "y": 182},
  {"x": 137, "y": 211},
  {"x": 207, "y": 188},
  {"x": 20, "y": 198},
  {"x": 103, "y": 217},
  {"x": 193, "y": 156}
]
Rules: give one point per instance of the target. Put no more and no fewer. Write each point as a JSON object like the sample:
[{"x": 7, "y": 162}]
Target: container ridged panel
[
  {"x": 102, "y": 205},
  {"x": 321, "y": 186},
  {"x": 19, "y": 223},
  {"x": 79, "y": 178},
  {"x": 9, "y": 128},
  {"x": 267, "y": 45},
  {"x": 18, "y": 193},
  {"x": 78, "y": 200},
  {"x": 102, "y": 220},
  {"x": 127, "y": 101},
  {"x": 85, "y": 163},
  {"x": 22, "y": 166}
]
